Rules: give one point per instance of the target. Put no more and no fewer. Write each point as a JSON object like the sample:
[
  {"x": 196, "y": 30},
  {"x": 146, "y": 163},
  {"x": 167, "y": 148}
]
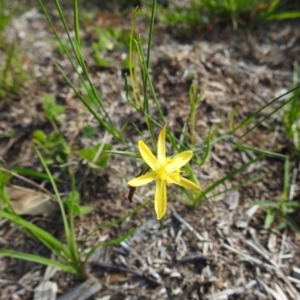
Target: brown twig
[{"x": 123, "y": 270}]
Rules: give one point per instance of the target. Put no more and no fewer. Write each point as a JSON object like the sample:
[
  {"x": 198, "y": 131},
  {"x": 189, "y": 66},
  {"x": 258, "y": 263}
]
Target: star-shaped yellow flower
[{"x": 165, "y": 170}]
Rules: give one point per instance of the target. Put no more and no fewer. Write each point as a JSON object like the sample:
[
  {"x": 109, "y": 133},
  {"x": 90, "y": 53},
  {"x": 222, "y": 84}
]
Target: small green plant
[
  {"x": 12, "y": 73},
  {"x": 278, "y": 214},
  {"x": 51, "y": 109},
  {"x": 96, "y": 156},
  {"x": 74, "y": 207},
  {"x": 108, "y": 39},
  {"x": 274, "y": 12},
  {"x": 182, "y": 15},
  {"x": 88, "y": 131},
  {"x": 6, "y": 12},
  {"x": 69, "y": 255},
  {"x": 246, "y": 12},
  {"x": 55, "y": 147}
]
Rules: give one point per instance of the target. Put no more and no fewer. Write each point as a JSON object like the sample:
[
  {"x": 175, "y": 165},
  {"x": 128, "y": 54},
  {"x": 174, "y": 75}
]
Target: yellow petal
[
  {"x": 160, "y": 201},
  {"x": 147, "y": 156},
  {"x": 141, "y": 180},
  {"x": 161, "y": 145},
  {"x": 186, "y": 183},
  {"x": 179, "y": 160}
]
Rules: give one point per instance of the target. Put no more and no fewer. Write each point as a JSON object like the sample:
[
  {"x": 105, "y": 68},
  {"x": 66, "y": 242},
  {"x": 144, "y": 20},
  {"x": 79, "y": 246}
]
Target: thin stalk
[
  {"x": 68, "y": 233},
  {"x": 146, "y": 76}
]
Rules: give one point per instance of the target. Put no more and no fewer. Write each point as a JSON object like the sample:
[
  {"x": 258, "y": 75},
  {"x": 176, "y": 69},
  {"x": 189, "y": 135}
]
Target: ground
[{"x": 219, "y": 250}]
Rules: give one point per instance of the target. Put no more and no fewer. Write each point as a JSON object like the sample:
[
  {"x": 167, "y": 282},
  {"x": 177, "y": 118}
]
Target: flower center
[{"x": 164, "y": 174}]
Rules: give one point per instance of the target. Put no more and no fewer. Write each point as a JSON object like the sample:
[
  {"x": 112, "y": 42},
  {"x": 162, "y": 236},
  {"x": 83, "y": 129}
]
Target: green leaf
[
  {"x": 84, "y": 210},
  {"x": 32, "y": 173},
  {"x": 73, "y": 198},
  {"x": 39, "y": 137},
  {"x": 101, "y": 61},
  {"x": 49, "y": 160},
  {"x": 97, "y": 155},
  {"x": 73, "y": 201},
  {"x": 294, "y": 204},
  {"x": 51, "y": 109},
  {"x": 270, "y": 217},
  {"x": 88, "y": 131},
  {"x": 10, "y": 133},
  {"x": 54, "y": 139}
]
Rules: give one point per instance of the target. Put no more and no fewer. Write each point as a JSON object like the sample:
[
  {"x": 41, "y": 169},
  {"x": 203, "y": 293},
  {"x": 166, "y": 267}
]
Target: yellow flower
[{"x": 165, "y": 170}]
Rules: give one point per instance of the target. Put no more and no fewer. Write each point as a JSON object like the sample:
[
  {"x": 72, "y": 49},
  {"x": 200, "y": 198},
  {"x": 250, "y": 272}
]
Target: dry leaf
[{"x": 26, "y": 201}]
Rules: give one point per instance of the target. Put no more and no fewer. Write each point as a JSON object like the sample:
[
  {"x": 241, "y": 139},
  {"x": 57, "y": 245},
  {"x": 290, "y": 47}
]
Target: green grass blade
[
  {"x": 147, "y": 63},
  {"x": 270, "y": 217},
  {"x": 269, "y": 115},
  {"x": 150, "y": 34},
  {"x": 226, "y": 177},
  {"x": 292, "y": 204},
  {"x": 237, "y": 186},
  {"x": 265, "y": 203},
  {"x": 286, "y": 180},
  {"x": 218, "y": 139},
  {"x": 252, "y": 116},
  {"x": 119, "y": 220},
  {"x": 59, "y": 200},
  {"x": 8, "y": 62},
  {"x": 104, "y": 120},
  {"x": 257, "y": 150},
  {"x": 114, "y": 242},
  {"x": 100, "y": 119},
  {"x": 124, "y": 153},
  {"x": 291, "y": 223},
  {"x": 273, "y": 6},
  {"x": 46, "y": 238},
  {"x": 284, "y": 16},
  {"x": 76, "y": 26},
  {"x": 38, "y": 259},
  {"x": 207, "y": 149}
]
